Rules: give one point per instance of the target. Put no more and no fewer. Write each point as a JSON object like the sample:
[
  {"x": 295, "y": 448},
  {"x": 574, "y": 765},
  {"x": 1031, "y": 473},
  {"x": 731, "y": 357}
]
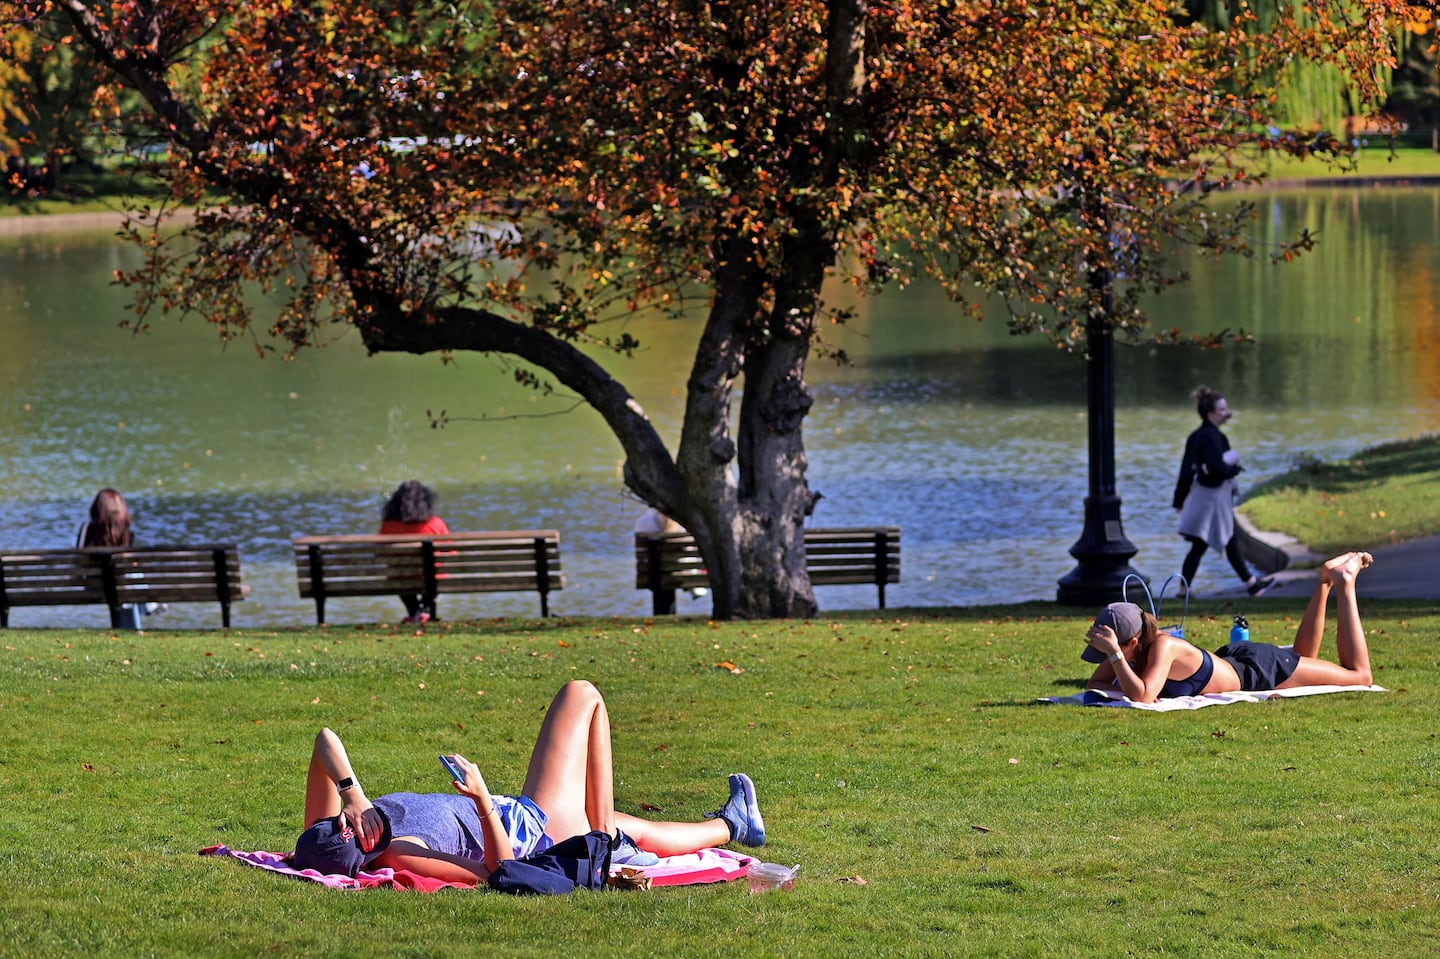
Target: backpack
[{"x": 580, "y": 862}]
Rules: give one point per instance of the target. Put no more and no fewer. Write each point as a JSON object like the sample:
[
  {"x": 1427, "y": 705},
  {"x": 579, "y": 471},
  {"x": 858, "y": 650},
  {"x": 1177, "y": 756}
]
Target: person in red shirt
[{"x": 411, "y": 509}]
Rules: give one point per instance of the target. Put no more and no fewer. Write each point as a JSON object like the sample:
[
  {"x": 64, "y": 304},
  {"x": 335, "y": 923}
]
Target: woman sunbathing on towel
[
  {"x": 568, "y": 791},
  {"x": 1146, "y": 663}
]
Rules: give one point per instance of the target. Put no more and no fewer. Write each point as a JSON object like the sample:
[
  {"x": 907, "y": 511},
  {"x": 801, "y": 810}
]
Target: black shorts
[{"x": 1260, "y": 665}]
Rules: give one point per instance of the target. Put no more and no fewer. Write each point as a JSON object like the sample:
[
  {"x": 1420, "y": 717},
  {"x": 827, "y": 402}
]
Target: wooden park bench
[
  {"x": 119, "y": 576},
  {"x": 666, "y": 562},
  {"x": 428, "y": 566}
]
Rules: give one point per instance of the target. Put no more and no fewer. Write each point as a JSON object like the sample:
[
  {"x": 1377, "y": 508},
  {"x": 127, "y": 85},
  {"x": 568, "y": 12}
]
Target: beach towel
[
  {"x": 1097, "y": 697},
  {"x": 705, "y": 866}
]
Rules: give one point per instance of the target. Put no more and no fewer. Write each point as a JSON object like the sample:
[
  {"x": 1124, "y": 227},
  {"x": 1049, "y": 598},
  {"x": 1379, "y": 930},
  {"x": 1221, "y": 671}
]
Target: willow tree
[{"x": 488, "y": 176}]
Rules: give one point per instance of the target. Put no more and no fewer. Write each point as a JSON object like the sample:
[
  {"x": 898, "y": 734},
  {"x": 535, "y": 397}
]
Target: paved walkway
[{"x": 1408, "y": 570}]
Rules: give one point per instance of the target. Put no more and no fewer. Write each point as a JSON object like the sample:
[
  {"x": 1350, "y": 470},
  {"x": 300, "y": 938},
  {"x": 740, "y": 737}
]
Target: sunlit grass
[
  {"x": 1373, "y": 160},
  {"x": 1384, "y": 494},
  {"x": 906, "y": 750}
]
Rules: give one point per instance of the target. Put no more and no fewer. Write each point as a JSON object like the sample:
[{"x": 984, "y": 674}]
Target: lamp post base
[{"x": 1103, "y": 553}]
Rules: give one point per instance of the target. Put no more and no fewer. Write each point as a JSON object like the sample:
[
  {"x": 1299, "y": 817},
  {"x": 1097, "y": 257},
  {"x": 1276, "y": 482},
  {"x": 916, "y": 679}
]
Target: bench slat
[
  {"x": 120, "y": 576},
  {"x": 464, "y": 562},
  {"x": 834, "y": 556}
]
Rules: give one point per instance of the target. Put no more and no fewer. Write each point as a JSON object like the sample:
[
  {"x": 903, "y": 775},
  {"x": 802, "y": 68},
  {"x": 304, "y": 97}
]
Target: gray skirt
[{"x": 1209, "y": 514}]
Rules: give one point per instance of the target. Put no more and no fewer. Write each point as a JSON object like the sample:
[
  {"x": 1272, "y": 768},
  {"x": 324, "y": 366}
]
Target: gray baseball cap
[{"x": 1123, "y": 619}]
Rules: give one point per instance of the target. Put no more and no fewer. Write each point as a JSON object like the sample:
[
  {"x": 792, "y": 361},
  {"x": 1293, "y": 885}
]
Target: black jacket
[{"x": 1203, "y": 461}]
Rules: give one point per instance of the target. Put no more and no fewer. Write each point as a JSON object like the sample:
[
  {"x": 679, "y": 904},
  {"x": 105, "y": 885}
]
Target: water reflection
[{"x": 972, "y": 440}]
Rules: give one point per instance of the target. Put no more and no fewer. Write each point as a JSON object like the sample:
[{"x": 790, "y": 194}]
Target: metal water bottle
[{"x": 1240, "y": 632}]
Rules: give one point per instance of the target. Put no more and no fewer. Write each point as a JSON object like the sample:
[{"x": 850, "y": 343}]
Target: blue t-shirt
[{"x": 449, "y": 822}]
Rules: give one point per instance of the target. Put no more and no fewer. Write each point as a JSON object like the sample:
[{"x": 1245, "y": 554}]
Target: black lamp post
[{"x": 1102, "y": 551}]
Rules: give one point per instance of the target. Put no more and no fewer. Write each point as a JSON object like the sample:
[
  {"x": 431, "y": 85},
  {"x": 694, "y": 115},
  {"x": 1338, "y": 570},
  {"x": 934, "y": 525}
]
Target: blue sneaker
[
  {"x": 742, "y": 813},
  {"x": 626, "y": 853}
]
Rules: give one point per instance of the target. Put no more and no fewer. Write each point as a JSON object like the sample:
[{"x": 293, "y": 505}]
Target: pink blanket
[{"x": 707, "y": 865}]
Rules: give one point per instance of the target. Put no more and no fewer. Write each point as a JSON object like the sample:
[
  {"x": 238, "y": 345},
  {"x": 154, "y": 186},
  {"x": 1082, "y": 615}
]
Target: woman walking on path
[{"x": 1205, "y": 493}]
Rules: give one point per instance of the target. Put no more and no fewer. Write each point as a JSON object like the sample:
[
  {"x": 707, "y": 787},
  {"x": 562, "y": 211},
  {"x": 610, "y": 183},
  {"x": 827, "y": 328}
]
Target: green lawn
[
  {"x": 906, "y": 749},
  {"x": 1384, "y": 494},
  {"x": 88, "y": 191},
  {"x": 1374, "y": 160}
]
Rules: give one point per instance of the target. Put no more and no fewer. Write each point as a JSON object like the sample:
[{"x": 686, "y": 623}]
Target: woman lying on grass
[
  {"x": 1146, "y": 663},
  {"x": 569, "y": 791}
]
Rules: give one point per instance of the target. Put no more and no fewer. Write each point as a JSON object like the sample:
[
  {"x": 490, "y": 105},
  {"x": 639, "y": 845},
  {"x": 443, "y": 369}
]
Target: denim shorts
[{"x": 525, "y": 822}]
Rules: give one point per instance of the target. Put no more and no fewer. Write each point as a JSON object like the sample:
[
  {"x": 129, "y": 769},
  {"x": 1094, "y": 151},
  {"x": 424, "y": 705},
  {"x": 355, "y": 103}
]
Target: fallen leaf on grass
[
  {"x": 852, "y": 880},
  {"x": 729, "y": 666},
  {"x": 649, "y": 807},
  {"x": 979, "y": 828}
]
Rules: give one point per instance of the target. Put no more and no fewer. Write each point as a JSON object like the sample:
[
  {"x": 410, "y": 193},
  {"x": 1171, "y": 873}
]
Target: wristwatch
[{"x": 346, "y": 783}]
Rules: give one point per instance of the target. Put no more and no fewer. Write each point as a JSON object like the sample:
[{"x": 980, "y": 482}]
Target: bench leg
[{"x": 664, "y": 602}]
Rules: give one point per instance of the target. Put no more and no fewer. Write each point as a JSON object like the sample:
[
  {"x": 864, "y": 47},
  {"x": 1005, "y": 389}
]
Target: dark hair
[
  {"x": 109, "y": 521},
  {"x": 1149, "y": 630},
  {"x": 412, "y": 502},
  {"x": 1205, "y": 400}
]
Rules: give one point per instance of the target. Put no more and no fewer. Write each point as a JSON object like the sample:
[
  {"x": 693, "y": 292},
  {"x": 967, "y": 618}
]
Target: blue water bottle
[{"x": 1240, "y": 632}]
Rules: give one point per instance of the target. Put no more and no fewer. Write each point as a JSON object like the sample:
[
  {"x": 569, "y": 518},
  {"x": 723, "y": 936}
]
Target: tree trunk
[
  {"x": 706, "y": 456},
  {"x": 774, "y": 495}
]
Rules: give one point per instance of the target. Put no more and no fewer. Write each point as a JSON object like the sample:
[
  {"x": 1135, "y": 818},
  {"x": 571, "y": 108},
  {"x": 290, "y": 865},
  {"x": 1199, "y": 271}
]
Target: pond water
[{"x": 971, "y": 440}]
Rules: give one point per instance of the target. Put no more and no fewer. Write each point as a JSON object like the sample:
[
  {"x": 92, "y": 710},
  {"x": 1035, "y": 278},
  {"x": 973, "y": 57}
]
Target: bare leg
[
  {"x": 1311, "y": 631},
  {"x": 1350, "y": 645},
  {"x": 1354, "y": 666},
  {"x": 571, "y": 777},
  {"x": 673, "y": 838},
  {"x": 570, "y": 774}
]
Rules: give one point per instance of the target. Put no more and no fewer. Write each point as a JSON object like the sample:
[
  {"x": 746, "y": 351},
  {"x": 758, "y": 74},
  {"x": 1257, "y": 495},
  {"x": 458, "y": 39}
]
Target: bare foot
[
  {"x": 1338, "y": 561},
  {"x": 1347, "y": 570}
]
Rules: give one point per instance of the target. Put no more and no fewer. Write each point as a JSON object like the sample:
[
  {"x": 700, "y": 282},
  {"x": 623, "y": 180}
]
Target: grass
[
  {"x": 100, "y": 190},
  {"x": 1384, "y": 494},
  {"x": 1375, "y": 160},
  {"x": 906, "y": 749}
]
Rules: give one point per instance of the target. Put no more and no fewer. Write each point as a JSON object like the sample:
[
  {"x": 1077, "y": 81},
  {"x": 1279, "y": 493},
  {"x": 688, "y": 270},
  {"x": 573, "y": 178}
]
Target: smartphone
[{"x": 456, "y": 773}]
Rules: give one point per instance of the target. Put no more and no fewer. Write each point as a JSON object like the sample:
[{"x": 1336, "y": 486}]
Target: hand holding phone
[{"x": 456, "y": 773}]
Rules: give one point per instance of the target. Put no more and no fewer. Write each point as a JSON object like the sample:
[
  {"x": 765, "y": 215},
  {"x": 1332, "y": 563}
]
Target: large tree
[{"x": 495, "y": 176}]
